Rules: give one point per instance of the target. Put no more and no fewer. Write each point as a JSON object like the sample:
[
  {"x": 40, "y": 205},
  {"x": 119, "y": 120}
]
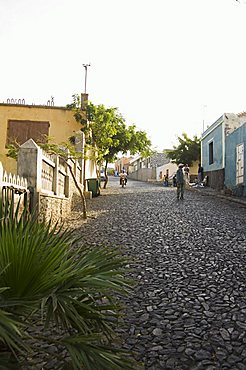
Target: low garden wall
[{"x": 49, "y": 179}]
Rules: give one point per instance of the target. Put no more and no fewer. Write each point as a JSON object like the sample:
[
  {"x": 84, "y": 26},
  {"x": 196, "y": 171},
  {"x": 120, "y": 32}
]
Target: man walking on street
[
  {"x": 180, "y": 182},
  {"x": 200, "y": 173}
]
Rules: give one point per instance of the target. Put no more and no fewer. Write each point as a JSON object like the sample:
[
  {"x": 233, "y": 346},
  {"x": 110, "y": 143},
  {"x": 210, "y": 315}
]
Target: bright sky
[{"x": 166, "y": 64}]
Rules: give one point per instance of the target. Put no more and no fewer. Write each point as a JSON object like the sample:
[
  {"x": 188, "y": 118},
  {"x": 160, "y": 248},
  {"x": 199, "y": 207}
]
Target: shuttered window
[
  {"x": 21, "y": 131},
  {"x": 211, "y": 153}
]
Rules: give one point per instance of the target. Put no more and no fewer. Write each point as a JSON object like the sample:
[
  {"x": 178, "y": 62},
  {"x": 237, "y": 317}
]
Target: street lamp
[{"x": 86, "y": 66}]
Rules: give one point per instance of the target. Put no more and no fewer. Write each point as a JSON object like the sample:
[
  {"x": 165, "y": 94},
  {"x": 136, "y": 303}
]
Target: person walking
[
  {"x": 187, "y": 174},
  {"x": 200, "y": 173},
  {"x": 180, "y": 181}
]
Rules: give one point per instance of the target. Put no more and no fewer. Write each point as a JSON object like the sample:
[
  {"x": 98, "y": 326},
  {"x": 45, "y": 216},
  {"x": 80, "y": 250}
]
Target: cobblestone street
[{"x": 188, "y": 307}]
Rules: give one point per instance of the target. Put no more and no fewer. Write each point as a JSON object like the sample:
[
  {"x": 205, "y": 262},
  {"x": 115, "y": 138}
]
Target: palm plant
[{"x": 68, "y": 292}]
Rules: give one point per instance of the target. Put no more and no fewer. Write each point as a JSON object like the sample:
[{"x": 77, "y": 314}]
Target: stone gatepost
[{"x": 29, "y": 166}]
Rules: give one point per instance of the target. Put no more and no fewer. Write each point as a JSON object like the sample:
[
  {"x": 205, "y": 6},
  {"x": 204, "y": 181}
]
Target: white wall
[
  {"x": 143, "y": 174},
  {"x": 171, "y": 167},
  {"x": 90, "y": 166}
]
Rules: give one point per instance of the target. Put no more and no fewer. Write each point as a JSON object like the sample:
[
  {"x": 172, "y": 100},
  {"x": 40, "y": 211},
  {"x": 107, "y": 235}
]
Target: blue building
[
  {"x": 213, "y": 148},
  {"x": 235, "y": 176}
]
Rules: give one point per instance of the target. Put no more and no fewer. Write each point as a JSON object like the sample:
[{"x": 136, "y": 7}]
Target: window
[
  {"x": 21, "y": 131},
  {"x": 211, "y": 153}
]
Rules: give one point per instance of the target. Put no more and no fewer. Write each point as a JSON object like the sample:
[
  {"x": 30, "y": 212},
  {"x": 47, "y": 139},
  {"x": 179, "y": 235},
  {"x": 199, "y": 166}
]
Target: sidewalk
[{"x": 206, "y": 190}]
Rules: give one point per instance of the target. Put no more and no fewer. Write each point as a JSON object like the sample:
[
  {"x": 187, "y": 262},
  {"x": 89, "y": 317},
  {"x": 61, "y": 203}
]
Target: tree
[
  {"x": 111, "y": 135},
  {"x": 108, "y": 134},
  {"x": 188, "y": 150}
]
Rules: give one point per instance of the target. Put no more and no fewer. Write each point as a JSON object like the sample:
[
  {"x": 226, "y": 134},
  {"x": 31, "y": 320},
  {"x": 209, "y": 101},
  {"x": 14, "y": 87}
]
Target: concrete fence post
[
  {"x": 1, "y": 174},
  {"x": 1, "y": 178},
  {"x": 29, "y": 165},
  {"x": 56, "y": 175}
]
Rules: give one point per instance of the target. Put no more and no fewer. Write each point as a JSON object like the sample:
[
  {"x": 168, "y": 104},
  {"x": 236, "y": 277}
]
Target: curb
[{"x": 213, "y": 193}]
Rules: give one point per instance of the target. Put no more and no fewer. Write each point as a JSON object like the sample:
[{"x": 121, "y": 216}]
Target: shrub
[{"x": 52, "y": 293}]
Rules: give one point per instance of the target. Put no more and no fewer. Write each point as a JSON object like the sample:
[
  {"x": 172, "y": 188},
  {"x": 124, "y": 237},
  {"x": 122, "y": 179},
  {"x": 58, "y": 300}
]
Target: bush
[{"x": 53, "y": 294}]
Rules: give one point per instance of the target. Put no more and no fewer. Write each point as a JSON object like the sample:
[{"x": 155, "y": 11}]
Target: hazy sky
[{"x": 166, "y": 64}]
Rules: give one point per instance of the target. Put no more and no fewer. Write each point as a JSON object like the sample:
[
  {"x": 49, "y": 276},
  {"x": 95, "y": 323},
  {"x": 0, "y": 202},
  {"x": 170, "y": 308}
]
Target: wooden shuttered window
[{"x": 20, "y": 131}]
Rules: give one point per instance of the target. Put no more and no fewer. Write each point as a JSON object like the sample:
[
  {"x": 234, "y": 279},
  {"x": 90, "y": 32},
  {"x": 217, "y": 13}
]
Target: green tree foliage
[
  {"x": 187, "y": 151},
  {"x": 111, "y": 134},
  {"x": 55, "y": 293},
  {"x": 108, "y": 133}
]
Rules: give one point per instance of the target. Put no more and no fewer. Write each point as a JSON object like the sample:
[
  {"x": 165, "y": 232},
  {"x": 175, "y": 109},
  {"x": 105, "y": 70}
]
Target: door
[{"x": 239, "y": 163}]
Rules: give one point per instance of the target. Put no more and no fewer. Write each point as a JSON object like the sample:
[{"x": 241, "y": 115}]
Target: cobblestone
[{"x": 188, "y": 308}]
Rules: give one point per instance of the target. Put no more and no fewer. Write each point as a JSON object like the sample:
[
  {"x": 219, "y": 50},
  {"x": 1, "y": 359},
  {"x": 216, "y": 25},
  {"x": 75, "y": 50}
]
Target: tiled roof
[
  {"x": 158, "y": 160},
  {"x": 242, "y": 114}
]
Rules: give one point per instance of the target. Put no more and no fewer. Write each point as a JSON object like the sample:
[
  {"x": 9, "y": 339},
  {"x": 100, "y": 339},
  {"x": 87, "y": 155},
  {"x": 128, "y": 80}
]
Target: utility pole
[
  {"x": 86, "y": 66},
  {"x": 203, "y": 116}
]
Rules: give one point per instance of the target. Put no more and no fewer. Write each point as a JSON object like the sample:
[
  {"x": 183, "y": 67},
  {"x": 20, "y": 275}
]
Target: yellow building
[
  {"x": 21, "y": 122},
  {"x": 194, "y": 171}
]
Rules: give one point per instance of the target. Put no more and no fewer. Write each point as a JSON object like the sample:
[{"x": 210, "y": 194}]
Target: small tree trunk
[
  {"x": 106, "y": 176},
  {"x": 80, "y": 191}
]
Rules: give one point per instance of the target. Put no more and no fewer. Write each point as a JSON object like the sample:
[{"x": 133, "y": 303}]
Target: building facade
[
  {"x": 20, "y": 123},
  {"x": 213, "y": 148},
  {"x": 235, "y": 159},
  {"x": 148, "y": 169}
]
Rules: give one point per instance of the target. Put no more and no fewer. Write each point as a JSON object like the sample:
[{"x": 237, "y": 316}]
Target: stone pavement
[
  {"x": 219, "y": 194},
  {"x": 188, "y": 308}
]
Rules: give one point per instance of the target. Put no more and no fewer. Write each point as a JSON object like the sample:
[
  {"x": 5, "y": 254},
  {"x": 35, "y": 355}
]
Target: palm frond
[
  {"x": 45, "y": 280},
  {"x": 88, "y": 352}
]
